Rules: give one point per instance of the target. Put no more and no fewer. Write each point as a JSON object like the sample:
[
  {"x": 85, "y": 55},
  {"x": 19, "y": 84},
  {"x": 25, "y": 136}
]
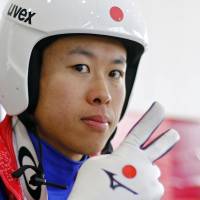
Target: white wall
[
  {"x": 2, "y": 4},
  {"x": 170, "y": 70}
]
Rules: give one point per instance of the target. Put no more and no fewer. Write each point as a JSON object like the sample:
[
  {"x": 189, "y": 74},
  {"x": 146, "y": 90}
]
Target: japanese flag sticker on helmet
[
  {"x": 116, "y": 13},
  {"x": 26, "y": 23}
]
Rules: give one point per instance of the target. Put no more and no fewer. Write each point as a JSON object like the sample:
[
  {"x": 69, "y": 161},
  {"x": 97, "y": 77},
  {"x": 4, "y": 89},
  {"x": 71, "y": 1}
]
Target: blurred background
[{"x": 170, "y": 74}]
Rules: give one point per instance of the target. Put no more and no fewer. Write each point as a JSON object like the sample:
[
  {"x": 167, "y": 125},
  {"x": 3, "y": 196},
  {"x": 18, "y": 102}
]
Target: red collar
[{"x": 8, "y": 162}]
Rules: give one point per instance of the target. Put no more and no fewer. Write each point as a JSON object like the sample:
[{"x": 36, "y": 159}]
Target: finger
[
  {"x": 162, "y": 145},
  {"x": 146, "y": 125}
]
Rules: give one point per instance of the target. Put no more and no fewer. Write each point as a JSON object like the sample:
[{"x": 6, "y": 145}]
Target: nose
[{"x": 99, "y": 93}]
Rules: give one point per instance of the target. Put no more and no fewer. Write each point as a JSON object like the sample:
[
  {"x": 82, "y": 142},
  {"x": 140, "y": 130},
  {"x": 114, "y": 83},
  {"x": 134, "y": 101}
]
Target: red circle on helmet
[{"x": 116, "y": 13}]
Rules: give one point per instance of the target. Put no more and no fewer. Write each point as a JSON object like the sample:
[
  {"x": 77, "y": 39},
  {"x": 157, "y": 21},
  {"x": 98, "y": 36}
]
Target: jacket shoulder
[
  {"x": 5, "y": 127},
  {"x": 8, "y": 162}
]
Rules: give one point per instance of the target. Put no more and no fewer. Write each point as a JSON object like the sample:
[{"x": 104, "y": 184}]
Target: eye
[
  {"x": 116, "y": 74},
  {"x": 82, "y": 68}
]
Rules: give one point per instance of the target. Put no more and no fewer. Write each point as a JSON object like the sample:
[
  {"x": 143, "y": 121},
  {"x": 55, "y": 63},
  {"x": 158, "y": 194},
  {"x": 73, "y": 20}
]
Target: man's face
[{"x": 82, "y": 91}]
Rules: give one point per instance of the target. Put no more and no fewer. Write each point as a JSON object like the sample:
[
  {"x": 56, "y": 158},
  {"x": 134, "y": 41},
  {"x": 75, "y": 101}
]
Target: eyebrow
[
  {"x": 120, "y": 60},
  {"x": 87, "y": 53}
]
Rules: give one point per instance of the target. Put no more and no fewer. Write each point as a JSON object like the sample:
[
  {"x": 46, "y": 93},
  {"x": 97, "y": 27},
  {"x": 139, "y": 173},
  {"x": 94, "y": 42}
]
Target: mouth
[{"x": 98, "y": 123}]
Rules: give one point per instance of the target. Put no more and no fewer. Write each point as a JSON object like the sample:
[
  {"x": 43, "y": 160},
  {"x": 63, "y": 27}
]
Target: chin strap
[{"x": 37, "y": 179}]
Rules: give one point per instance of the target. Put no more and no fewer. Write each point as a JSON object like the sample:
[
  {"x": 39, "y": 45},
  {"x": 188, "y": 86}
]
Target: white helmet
[{"x": 26, "y": 23}]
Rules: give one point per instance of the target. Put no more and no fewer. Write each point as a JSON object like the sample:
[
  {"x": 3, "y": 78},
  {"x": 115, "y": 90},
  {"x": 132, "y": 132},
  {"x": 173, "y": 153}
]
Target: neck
[{"x": 72, "y": 155}]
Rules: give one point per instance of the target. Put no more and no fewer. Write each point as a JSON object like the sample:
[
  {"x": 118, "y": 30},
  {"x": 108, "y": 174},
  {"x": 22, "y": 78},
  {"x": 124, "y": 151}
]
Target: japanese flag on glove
[{"x": 129, "y": 172}]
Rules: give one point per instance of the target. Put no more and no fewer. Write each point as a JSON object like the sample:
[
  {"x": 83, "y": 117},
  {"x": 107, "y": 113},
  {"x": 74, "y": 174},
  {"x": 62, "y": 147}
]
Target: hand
[{"x": 128, "y": 173}]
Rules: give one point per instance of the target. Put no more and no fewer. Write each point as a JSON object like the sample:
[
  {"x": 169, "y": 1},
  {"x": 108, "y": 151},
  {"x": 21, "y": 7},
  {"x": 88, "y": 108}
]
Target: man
[{"x": 67, "y": 71}]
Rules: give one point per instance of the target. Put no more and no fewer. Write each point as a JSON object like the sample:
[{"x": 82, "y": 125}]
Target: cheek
[
  {"x": 119, "y": 97},
  {"x": 59, "y": 104},
  {"x": 61, "y": 89},
  {"x": 58, "y": 96}
]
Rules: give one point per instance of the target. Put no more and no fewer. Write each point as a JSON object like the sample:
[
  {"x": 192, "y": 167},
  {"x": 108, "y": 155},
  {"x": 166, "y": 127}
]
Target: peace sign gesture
[{"x": 128, "y": 173}]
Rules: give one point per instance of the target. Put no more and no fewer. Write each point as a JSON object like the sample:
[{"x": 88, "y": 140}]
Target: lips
[{"x": 97, "y": 122}]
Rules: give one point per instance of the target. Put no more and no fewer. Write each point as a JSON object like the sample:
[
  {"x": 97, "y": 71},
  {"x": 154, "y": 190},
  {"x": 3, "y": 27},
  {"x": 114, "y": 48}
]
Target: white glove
[{"x": 128, "y": 173}]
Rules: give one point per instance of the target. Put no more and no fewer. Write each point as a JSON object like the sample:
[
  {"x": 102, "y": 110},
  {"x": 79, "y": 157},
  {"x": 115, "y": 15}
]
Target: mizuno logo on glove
[
  {"x": 22, "y": 14},
  {"x": 114, "y": 183}
]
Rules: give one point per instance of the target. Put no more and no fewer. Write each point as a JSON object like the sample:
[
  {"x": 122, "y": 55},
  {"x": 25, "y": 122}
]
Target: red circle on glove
[
  {"x": 116, "y": 13},
  {"x": 129, "y": 171}
]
